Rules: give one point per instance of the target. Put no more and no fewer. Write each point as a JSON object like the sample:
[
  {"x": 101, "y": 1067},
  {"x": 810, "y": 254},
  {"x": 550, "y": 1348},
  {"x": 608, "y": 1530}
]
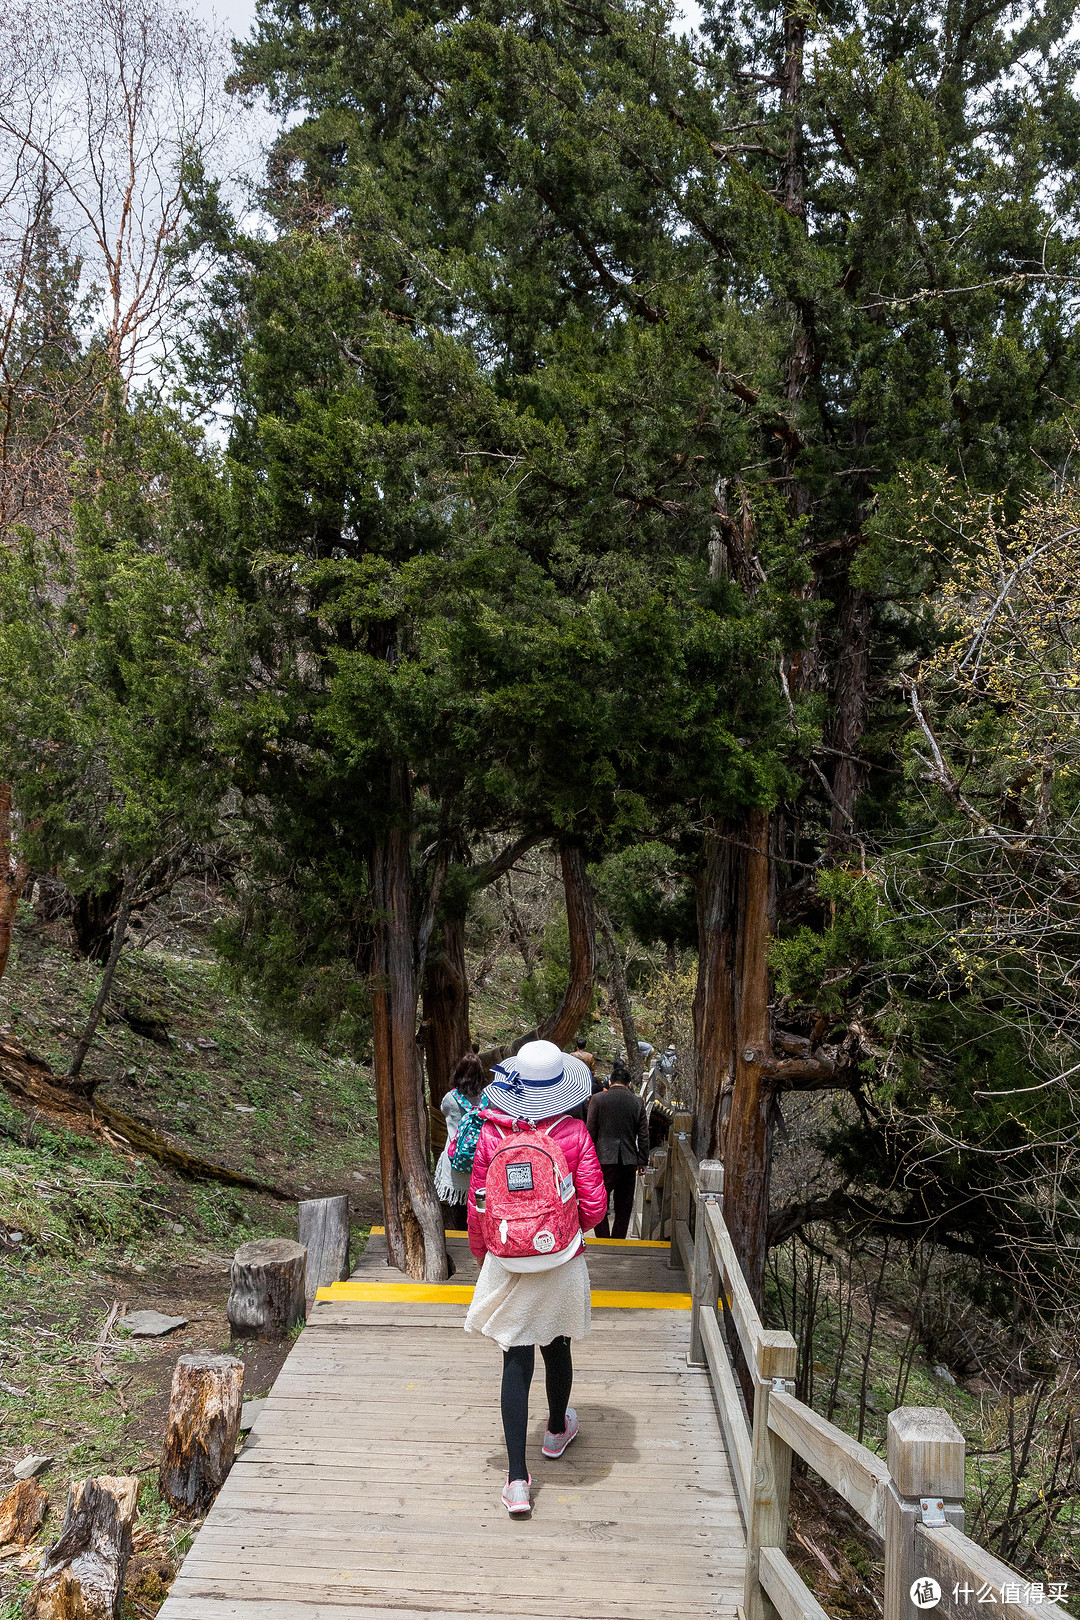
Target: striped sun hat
[{"x": 538, "y": 1082}]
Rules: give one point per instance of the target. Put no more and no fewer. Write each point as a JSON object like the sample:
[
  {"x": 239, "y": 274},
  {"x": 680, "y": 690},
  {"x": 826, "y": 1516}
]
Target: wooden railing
[{"x": 913, "y": 1499}]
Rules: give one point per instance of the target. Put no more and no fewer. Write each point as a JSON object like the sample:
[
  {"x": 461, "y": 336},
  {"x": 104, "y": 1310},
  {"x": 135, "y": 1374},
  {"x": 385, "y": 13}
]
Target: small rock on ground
[
  {"x": 151, "y": 1324},
  {"x": 249, "y": 1412},
  {"x": 32, "y": 1466}
]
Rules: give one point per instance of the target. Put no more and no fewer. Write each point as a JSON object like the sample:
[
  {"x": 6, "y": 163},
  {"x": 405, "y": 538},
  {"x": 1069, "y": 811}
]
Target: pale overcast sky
[{"x": 237, "y": 16}]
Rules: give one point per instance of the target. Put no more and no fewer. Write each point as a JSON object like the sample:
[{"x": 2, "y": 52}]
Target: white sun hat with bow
[{"x": 538, "y": 1082}]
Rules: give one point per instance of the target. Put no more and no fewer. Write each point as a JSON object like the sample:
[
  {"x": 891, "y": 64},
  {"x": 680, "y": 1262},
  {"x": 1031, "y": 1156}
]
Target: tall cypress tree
[
  {"x": 723, "y": 296},
  {"x": 434, "y": 653}
]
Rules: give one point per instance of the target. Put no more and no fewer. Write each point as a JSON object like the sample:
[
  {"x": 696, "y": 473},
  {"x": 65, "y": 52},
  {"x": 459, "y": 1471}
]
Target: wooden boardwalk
[{"x": 370, "y": 1483}]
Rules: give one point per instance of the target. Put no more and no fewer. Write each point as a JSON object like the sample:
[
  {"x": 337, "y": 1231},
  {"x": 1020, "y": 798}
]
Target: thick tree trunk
[
  {"x": 201, "y": 1430},
  {"x": 266, "y": 1297},
  {"x": 564, "y": 1022},
  {"x": 735, "y": 1087},
  {"x": 446, "y": 1007},
  {"x": 413, "y": 1217},
  {"x": 622, "y": 996},
  {"x": 82, "y": 1574},
  {"x": 13, "y": 874},
  {"x": 714, "y": 996},
  {"x": 92, "y": 922},
  {"x": 119, "y": 930},
  {"x": 851, "y": 699},
  {"x": 748, "y": 1146}
]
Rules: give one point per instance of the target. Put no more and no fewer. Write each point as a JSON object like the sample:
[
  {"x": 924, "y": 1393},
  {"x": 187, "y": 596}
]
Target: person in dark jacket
[{"x": 619, "y": 1128}]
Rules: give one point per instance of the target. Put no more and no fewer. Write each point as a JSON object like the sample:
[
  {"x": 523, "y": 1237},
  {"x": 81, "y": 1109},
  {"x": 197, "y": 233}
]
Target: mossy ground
[{"x": 84, "y": 1228}]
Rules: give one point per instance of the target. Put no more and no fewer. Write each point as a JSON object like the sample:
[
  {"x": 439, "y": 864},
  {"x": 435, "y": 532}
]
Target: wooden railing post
[
  {"x": 926, "y": 1486},
  {"x": 656, "y": 1188},
  {"x": 705, "y": 1281},
  {"x": 770, "y": 1484},
  {"x": 680, "y": 1191}
]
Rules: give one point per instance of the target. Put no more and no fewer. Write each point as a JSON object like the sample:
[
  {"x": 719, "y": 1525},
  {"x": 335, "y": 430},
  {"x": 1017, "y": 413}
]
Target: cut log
[
  {"x": 324, "y": 1233},
  {"x": 82, "y": 1574},
  {"x": 21, "y": 1511},
  {"x": 201, "y": 1430},
  {"x": 267, "y": 1296}
]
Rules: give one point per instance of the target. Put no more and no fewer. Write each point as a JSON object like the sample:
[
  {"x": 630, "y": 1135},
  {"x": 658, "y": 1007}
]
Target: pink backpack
[{"x": 528, "y": 1206}]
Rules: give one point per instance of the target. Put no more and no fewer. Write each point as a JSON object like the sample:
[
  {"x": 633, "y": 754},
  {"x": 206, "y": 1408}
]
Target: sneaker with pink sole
[
  {"x": 516, "y": 1499},
  {"x": 555, "y": 1444}
]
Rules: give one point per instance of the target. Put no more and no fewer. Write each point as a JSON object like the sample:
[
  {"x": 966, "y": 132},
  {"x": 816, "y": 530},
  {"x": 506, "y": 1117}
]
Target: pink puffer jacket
[{"x": 581, "y": 1161}]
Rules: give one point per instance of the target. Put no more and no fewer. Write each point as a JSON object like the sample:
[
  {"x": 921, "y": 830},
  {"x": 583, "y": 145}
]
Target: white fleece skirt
[{"x": 531, "y": 1307}]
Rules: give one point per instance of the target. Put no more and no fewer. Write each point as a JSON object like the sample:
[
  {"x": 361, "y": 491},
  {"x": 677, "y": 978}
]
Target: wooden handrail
[
  {"x": 682, "y": 1184},
  {"x": 854, "y": 1472},
  {"x": 783, "y": 1583},
  {"x": 689, "y": 1158},
  {"x": 953, "y": 1559},
  {"x": 732, "y": 1417},
  {"x": 922, "y": 1477},
  {"x": 737, "y": 1296}
]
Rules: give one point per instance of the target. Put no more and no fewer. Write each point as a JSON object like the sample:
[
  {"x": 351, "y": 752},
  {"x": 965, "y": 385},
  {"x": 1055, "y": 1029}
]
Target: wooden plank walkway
[{"x": 370, "y": 1483}]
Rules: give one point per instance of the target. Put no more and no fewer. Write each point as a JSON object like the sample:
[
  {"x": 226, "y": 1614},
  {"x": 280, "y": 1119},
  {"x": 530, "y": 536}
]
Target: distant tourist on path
[
  {"x": 536, "y": 1188},
  {"x": 454, "y": 1166},
  {"x": 582, "y": 1110},
  {"x": 619, "y": 1128}
]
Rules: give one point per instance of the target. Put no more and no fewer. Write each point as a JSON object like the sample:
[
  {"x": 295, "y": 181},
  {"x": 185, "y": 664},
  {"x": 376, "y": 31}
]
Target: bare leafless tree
[
  {"x": 109, "y": 98},
  {"x": 102, "y": 105}
]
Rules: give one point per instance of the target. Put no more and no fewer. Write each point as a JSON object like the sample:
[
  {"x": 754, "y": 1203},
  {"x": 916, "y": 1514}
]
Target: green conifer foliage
[{"x": 724, "y": 293}]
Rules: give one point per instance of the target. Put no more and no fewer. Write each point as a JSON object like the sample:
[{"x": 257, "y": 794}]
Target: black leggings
[{"x": 518, "y": 1363}]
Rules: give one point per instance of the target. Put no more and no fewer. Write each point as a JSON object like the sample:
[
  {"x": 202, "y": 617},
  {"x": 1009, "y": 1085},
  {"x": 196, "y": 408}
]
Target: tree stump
[
  {"x": 21, "y": 1511},
  {"x": 267, "y": 1296},
  {"x": 324, "y": 1233},
  {"x": 82, "y": 1574},
  {"x": 201, "y": 1430}
]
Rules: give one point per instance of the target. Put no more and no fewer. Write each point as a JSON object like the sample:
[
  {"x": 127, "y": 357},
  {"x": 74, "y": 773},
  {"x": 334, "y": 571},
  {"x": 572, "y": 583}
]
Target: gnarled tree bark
[
  {"x": 731, "y": 1021},
  {"x": 267, "y": 1293},
  {"x": 201, "y": 1430},
  {"x": 446, "y": 1006},
  {"x": 413, "y": 1217},
  {"x": 82, "y": 1574}
]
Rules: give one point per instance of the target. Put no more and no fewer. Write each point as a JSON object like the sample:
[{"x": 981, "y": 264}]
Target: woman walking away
[
  {"x": 461, "y": 1107},
  {"x": 536, "y": 1188}
]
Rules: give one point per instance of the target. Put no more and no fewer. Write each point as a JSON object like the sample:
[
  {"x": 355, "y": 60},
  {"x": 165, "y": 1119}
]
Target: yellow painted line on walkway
[
  {"x": 600, "y": 1243},
  {"x": 375, "y": 1293}
]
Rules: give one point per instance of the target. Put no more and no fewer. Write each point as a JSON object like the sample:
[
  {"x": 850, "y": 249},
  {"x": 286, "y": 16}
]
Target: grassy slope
[{"x": 98, "y": 1227}]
